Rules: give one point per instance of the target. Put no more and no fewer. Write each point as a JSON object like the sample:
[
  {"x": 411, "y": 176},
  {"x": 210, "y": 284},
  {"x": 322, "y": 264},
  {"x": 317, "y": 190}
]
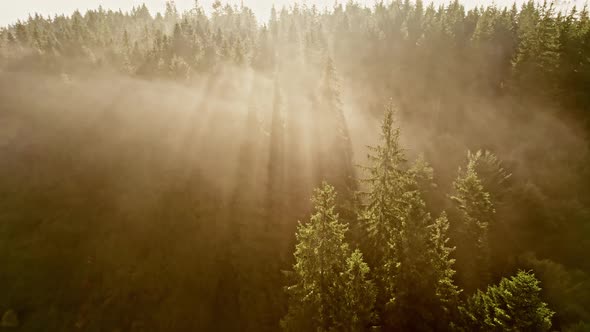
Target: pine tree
[
  {"x": 422, "y": 175},
  {"x": 414, "y": 287},
  {"x": 537, "y": 56},
  {"x": 513, "y": 305},
  {"x": 495, "y": 178},
  {"x": 179, "y": 69},
  {"x": 264, "y": 57},
  {"x": 126, "y": 42},
  {"x": 171, "y": 13},
  {"x": 273, "y": 24},
  {"x": 330, "y": 290},
  {"x": 360, "y": 294},
  {"x": 22, "y": 33},
  {"x": 442, "y": 265},
  {"x": 381, "y": 211},
  {"x": 409, "y": 250},
  {"x": 476, "y": 212},
  {"x": 238, "y": 53}
]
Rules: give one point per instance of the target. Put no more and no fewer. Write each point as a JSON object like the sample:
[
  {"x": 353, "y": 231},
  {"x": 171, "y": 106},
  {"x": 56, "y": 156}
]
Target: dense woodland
[{"x": 156, "y": 169}]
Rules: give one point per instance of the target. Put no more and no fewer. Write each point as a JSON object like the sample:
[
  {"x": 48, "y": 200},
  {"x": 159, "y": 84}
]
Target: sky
[{"x": 11, "y": 11}]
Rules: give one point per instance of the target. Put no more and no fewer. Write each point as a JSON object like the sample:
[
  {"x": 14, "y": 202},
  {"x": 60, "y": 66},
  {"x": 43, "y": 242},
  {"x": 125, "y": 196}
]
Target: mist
[{"x": 156, "y": 170}]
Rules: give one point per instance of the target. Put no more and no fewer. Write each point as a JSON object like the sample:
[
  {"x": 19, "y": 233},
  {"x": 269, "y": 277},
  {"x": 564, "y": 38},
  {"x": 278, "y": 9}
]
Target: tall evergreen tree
[
  {"x": 360, "y": 294},
  {"x": 382, "y": 207},
  {"x": 476, "y": 212},
  {"x": 442, "y": 266},
  {"x": 513, "y": 305},
  {"x": 330, "y": 290},
  {"x": 413, "y": 265}
]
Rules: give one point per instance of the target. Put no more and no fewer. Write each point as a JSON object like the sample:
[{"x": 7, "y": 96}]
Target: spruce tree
[
  {"x": 476, "y": 211},
  {"x": 413, "y": 267},
  {"x": 513, "y": 305},
  {"x": 381, "y": 207},
  {"x": 330, "y": 290},
  {"x": 360, "y": 295},
  {"x": 442, "y": 266}
]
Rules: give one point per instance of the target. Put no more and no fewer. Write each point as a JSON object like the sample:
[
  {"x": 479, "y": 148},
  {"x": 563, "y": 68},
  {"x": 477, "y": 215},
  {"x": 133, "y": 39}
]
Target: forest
[{"x": 393, "y": 167}]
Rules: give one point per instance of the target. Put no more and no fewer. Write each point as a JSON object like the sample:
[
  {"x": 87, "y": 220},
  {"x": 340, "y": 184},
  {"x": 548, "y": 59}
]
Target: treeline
[
  {"x": 532, "y": 51},
  {"x": 285, "y": 105}
]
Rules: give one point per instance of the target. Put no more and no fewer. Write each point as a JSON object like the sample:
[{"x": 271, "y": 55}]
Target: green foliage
[
  {"x": 495, "y": 178},
  {"x": 537, "y": 55},
  {"x": 382, "y": 206},
  {"x": 385, "y": 183},
  {"x": 476, "y": 213},
  {"x": 414, "y": 271},
  {"x": 179, "y": 68},
  {"x": 442, "y": 265},
  {"x": 513, "y": 305},
  {"x": 331, "y": 292},
  {"x": 471, "y": 196},
  {"x": 499, "y": 50},
  {"x": 360, "y": 295},
  {"x": 466, "y": 78},
  {"x": 567, "y": 291}
]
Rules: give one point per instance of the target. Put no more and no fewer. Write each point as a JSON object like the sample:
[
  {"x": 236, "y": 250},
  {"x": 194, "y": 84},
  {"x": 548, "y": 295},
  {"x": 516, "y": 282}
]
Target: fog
[{"x": 154, "y": 170}]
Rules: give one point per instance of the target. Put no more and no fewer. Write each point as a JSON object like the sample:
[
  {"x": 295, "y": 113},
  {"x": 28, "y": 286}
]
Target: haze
[
  {"x": 11, "y": 11},
  {"x": 390, "y": 167}
]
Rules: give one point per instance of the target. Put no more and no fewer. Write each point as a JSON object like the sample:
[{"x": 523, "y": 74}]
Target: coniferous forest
[{"x": 394, "y": 167}]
